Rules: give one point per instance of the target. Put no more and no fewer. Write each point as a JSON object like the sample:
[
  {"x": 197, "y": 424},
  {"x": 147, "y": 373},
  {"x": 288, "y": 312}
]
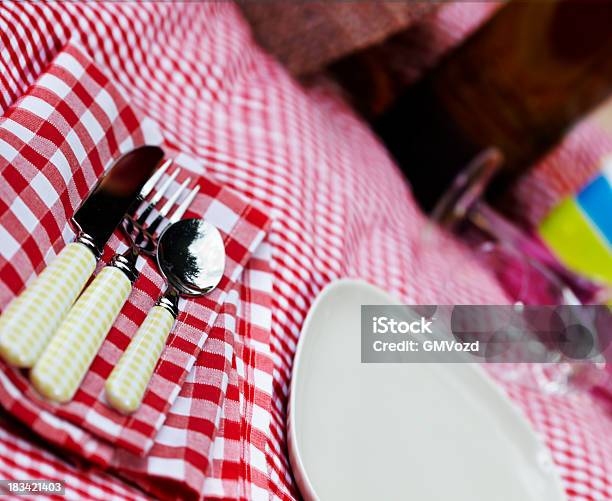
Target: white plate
[{"x": 402, "y": 431}]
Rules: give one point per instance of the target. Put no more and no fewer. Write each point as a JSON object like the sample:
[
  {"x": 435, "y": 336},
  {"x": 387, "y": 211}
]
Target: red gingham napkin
[
  {"x": 214, "y": 442},
  {"x": 53, "y": 145},
  {"x": 21, "y": 459},
  {"x": 339, "y": 208}
]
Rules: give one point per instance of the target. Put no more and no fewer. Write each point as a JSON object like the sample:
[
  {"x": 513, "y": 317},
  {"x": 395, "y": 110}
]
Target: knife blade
[
  {"x": 100, "y": 214},
  {"x": 29, "y": 321}
]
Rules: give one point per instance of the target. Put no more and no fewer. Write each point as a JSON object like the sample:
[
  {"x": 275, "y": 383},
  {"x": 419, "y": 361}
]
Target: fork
[{"x": 61, "y": 368}]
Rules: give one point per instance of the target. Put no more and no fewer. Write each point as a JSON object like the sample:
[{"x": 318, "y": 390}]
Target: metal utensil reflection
[{"x": 191, "y": 256}]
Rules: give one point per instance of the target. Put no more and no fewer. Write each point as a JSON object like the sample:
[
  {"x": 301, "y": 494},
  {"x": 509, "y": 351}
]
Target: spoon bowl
[{"x": 191, "y": 256}]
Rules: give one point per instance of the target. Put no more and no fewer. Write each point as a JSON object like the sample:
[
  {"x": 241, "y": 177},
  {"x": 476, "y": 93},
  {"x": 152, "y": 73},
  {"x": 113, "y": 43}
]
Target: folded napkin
[
  {"x": 54, "y": 144},
  {"x": 214, "y": 441},
  {"x": 23, "y": 459}
]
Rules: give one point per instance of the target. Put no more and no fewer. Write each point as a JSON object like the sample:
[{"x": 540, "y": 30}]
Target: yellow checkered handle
[
  {"x": 64, "y": 363},
  {"x": 29, "y": 321},
  {"x": 128, "y": 382}
]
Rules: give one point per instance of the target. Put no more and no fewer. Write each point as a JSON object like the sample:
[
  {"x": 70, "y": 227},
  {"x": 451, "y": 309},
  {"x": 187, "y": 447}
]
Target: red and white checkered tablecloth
[{"x": 338, "y": 207}]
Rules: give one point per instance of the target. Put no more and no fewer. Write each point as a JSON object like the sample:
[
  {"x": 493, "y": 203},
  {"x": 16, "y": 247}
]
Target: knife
[{"x": 29, "y": 321}]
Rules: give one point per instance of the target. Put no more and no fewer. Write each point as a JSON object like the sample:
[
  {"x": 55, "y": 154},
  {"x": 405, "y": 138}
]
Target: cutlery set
[{"x": 56, "y": 331}]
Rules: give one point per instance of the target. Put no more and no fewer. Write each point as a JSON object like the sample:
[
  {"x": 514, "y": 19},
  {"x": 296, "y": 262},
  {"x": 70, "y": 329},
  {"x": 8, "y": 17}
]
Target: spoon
[{"x": 191, "y": 257}]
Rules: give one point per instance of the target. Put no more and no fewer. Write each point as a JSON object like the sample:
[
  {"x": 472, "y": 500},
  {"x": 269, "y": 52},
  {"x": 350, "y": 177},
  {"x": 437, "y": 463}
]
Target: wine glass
[{"x": 529, "y": 273}]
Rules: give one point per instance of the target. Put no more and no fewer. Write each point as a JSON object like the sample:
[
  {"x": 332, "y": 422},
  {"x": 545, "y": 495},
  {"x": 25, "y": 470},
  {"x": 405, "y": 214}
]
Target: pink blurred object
[{"x": 524, "y": 265}]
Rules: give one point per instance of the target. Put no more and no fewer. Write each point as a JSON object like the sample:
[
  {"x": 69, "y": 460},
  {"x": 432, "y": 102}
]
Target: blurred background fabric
[
  {"x": 306, "y": 36},
  {"x": 372, "y": 49}
]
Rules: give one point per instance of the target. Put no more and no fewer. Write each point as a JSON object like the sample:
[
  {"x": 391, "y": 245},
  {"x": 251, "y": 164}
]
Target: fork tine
[
  {"x": 152, "y": 228},
  {"x": 146, "y": 189},
  {"x": 178, "y": 213},
  {"x": 160, "y": 193},
  {"x": 157, "y": 197},
  {"x": 171, "y": 201}
]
